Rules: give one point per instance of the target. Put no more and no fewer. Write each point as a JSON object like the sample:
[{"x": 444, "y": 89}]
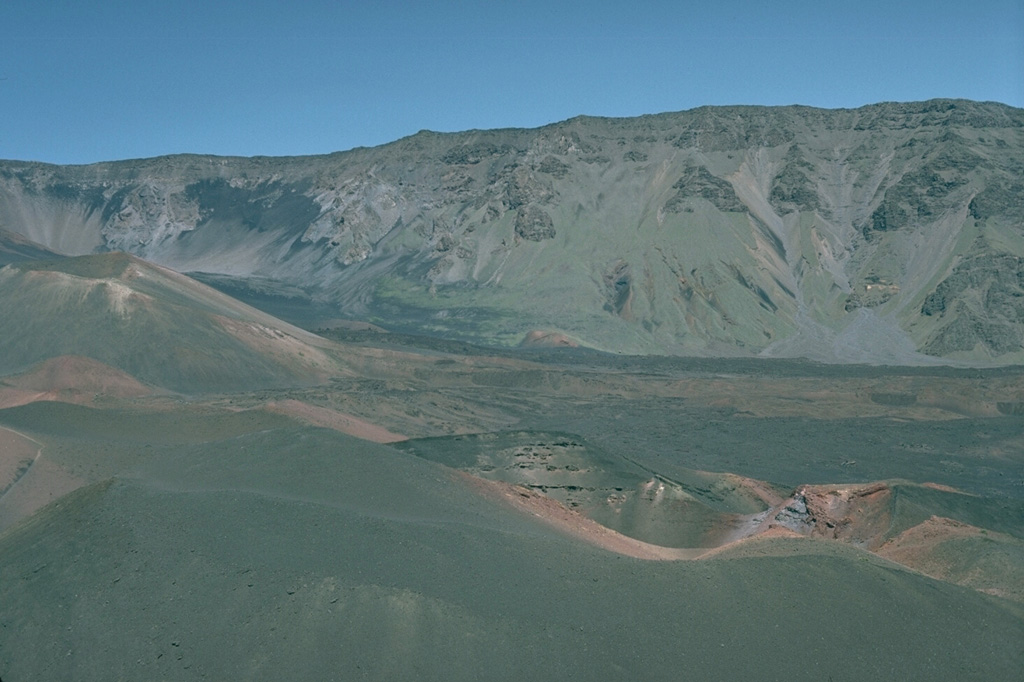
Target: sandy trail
[
  {"x": 36, "y": 481},
  {"x": 18, "y": 454},
  {"x": 332, "y": 419}
]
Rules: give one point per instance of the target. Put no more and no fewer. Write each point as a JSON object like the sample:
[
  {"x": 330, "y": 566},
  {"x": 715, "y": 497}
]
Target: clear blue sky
[{"x": 89, "y": 81}]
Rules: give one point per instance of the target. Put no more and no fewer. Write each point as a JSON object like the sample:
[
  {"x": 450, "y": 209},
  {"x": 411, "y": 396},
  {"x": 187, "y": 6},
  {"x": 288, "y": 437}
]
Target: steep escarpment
[{"x": 890, "y": 233}]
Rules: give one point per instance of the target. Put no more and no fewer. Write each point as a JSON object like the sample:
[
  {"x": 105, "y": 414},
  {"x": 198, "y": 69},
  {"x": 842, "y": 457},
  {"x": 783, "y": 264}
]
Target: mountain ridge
[{"x": 885, "y": 234}]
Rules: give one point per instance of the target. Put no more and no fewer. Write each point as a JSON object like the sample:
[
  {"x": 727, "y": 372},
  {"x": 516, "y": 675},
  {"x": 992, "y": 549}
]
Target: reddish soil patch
[
  {"x": 854, "y": 515},
  {"x": 331, "y": 419},
  {"x": 960, "y": 553},
  {"x": 915, "y": 544},
  {"x": 543, "y": 339},
  {"x": 13, "y": 397},
  {"x": 751, "y": 545},
  {"x": 858, "y": 515},
  {"x": 72, "y": 379},
  {"x": 556, "y": 515},
  {"x": 291, "y": 351}
]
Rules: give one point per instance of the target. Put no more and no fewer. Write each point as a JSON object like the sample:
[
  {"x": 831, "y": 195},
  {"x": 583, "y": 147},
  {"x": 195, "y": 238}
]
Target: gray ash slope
[
  {"x": 893, "y": 233},
  {"x": 386, "y": 568}
]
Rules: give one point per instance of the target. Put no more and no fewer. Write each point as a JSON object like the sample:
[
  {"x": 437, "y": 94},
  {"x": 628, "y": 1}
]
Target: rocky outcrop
[
  {"x": 698, "y": 182},
  {"x": 534, "y": 225},
  {"x": 859, "y": 515},
  {"x": 982, "y": 303}
]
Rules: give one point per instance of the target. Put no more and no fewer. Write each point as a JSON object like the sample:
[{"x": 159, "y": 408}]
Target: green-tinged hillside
[
  {"x": 152, "y": 323},
  {"x": 301, "y": 553},
  {"x": 697, "y": 509},
  {"x": 892, "y": 233},
  {"x": 192, "y": 488}
]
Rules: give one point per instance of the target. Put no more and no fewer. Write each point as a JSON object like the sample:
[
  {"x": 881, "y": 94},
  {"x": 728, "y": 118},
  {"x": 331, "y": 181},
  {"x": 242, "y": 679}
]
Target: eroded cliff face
[{"x": 891, "y": 233}]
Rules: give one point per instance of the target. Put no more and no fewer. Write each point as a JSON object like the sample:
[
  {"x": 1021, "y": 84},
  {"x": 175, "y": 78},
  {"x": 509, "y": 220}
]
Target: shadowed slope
[
  {"x": 77, "y": 445},
  {"x": 15, "y": 248},
  {"x": 332, "y": 419}
]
